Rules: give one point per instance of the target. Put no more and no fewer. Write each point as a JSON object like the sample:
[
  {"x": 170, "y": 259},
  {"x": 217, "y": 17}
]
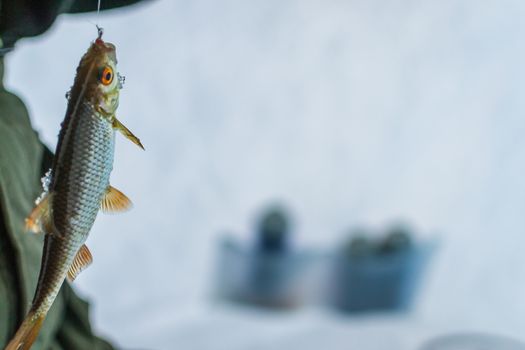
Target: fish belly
[{"x": 83, "y": 170}]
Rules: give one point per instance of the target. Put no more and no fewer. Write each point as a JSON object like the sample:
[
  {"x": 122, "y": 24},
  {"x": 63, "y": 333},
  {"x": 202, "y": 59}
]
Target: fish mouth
[{"x": 105, "y": 48}]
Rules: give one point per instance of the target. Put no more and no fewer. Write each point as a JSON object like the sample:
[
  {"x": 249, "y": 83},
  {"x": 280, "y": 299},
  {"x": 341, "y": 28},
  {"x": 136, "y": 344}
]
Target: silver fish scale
[{"x": 78, "y": 184}]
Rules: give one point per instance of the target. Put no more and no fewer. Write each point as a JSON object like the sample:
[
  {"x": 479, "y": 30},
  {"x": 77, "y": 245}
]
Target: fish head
[
  {"x": 97, "y": 78},
  {"x": 107, "y": 78}
]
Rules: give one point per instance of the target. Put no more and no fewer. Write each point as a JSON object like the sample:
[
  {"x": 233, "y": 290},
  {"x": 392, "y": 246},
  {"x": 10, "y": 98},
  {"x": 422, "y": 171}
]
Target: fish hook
[{"x": 100, "y": 31}]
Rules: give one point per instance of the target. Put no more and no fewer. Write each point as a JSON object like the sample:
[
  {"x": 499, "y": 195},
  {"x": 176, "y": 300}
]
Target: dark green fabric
[
  {"x": 26, "y": 18},
  {"x": 21, "y": 165}
]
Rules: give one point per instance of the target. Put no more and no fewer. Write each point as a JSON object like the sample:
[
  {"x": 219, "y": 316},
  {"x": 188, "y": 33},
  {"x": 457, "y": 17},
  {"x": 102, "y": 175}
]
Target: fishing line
[
  {"x": 99, "y": 29},
  {"x": 98, "y": 10}
]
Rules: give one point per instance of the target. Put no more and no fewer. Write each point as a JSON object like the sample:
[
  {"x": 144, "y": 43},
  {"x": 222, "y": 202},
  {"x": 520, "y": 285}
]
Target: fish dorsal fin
[
  {"x": 125, "y": 131},
  {"x": 40, "y": 217},
  {"x": 82, "y": 260},
  {"x": 115, "y": 201}
]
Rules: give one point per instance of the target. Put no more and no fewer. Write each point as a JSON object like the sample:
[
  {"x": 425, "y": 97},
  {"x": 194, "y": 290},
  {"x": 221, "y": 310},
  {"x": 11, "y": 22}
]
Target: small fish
[{"x": 77, "y": 186}]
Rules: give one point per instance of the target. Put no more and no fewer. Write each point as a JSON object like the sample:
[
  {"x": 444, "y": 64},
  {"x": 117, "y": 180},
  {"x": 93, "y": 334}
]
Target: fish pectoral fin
[
  {"x": 115, "y": 201},
  {"x": 40, "y": 217},
  {"x": 126, "y": 132},
  {"x": 82, "y": 260}
]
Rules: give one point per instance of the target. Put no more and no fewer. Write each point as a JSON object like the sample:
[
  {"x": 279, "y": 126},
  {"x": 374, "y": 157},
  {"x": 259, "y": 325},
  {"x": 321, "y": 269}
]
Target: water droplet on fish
[
  {"x": 121, "y": 80},
  {"x": 46, "y": 181}
]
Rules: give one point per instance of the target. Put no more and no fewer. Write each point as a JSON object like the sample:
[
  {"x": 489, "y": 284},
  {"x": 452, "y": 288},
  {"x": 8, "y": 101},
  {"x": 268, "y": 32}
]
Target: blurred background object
[
  {"x": 273, "y": 230},
  {"x": 272, "y": 272},
  {"x": 378, "y": 273},
  {"x": 369, "y": 272},
  {"x": 348, "y": 111}
]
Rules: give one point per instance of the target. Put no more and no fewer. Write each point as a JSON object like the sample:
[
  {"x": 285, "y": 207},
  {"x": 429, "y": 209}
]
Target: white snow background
[{"x": 360, "y": 111}]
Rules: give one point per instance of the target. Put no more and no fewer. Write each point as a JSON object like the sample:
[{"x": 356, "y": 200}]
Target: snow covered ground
[{"x": 360, "y": 111}]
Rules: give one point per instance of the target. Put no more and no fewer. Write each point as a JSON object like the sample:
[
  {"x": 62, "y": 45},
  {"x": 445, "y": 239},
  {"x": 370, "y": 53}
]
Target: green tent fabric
[{"x": 23, "y": 162}]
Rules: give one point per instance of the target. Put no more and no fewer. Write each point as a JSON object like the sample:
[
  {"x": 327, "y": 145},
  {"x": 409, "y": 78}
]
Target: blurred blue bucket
[
  {"x": 379, "y": 282},
  {"x": 267, "y": 279}
]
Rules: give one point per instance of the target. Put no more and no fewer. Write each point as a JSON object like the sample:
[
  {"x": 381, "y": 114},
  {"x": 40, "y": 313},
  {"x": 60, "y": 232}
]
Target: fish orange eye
[{"x": 106, "y": 77}]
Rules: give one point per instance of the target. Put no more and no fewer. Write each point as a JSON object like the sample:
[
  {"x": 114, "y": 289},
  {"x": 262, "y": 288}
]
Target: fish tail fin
[{"x": 27, "y": 333}]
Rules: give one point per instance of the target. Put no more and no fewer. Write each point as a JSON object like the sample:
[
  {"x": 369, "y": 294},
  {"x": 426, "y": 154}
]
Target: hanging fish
[{"x": 77, "y": 186}]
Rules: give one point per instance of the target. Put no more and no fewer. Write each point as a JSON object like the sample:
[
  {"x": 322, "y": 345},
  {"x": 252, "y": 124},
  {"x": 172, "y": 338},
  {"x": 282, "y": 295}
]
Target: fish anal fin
[
  {"x": 115, "y": 201},
  {"x": 82, "y": 260},
  {"x": 40, "y": 217},
  {"x": 126, "y": 132}
]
